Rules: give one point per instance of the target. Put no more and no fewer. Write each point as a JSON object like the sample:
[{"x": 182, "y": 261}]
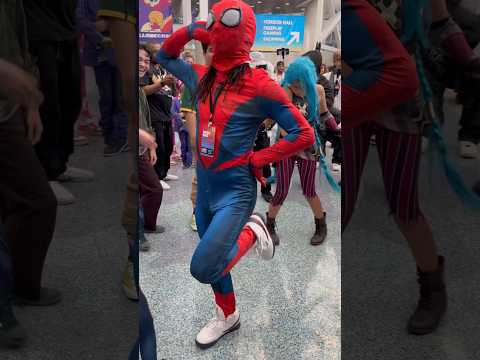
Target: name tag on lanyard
[
  {"x": 207, "y": 144},
  {"x": 208, "y": 141}
]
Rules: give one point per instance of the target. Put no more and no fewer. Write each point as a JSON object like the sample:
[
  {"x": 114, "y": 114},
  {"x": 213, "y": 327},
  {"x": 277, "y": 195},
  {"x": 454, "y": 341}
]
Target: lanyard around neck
[{"x": 213, "y": 103}]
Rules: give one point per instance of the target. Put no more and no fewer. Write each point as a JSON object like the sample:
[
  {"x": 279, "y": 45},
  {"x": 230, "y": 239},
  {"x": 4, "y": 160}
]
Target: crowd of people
[
  {"x": 51, "y": 55},
  {"x": 172, "y": 121},
  {"x": 233, "y": 117},
  {"x": 234, "y": 131}
]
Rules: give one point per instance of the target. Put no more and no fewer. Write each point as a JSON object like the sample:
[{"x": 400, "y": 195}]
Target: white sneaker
[
  {"x": 64, "y": 197},
  {"x": 80, "y": 140},
  {"x": 216, "y": 328},
  {"x": 165, "y": 186},
  {"x": 170, "y": 177},
  {"x": 264, "y": 245},
  {"x": 73, "y": 174},
  {"x": 467, "y": 150},
  {"x": 336, "y": 167}
]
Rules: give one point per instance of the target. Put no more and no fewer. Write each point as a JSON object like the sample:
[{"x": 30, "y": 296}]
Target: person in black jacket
[
  {"x": 53, "y": 42},
  {"x": 328, "y": 134}
]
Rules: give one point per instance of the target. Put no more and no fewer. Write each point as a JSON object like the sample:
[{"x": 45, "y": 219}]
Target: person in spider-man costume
[{"x": 233, "y": 100}]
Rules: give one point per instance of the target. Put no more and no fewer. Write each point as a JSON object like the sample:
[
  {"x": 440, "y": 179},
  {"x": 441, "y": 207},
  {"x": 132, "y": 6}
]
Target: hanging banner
[
  {"x": 279, "y": 31},
  {"x": 155, "y": 20}
]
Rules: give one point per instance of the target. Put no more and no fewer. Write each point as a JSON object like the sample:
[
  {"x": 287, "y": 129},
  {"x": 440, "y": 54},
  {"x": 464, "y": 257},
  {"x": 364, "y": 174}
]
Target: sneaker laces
[
  {"x": 262, "y": 241},
  {"x": 216, "y": 321}
]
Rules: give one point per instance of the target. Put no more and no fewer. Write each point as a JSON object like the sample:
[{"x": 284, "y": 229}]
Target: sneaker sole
[
  {"x": 12, "y": 343},
  {"x": 76, "y": 180},
  {"x": 235, "y": 326},
  {"x": 112, "y": 154},
  {"x": 39, "y": 303},
  {"x": 414, "y": 331},
  {"x": 260, "y": 220},
  {"x": 154, "y": 231}
]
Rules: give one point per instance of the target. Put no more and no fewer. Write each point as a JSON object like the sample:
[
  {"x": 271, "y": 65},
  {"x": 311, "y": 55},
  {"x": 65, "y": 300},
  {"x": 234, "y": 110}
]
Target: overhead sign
[
  {"x": 155, "y": 20},
  {"x": 279, "y": 31}
]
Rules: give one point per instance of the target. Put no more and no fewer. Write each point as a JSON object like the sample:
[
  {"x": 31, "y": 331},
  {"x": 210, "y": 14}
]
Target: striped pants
[
  {"x": 307, "y": 170},
  {"x": 399, "y": 155}
]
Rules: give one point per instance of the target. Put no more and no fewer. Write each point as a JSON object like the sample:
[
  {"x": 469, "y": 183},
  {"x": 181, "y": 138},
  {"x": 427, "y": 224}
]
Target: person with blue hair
[
  {"x": 300, "y": 84},
  {"x": 386, "y": 93}
]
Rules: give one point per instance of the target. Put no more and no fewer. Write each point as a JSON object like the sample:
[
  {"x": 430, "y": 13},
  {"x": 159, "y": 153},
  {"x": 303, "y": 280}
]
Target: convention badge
[{"x": 208, "y": 141}]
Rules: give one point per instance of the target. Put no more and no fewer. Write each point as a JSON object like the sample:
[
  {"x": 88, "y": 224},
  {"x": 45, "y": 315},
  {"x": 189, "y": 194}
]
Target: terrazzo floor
[{"x": 289, "y": 306}]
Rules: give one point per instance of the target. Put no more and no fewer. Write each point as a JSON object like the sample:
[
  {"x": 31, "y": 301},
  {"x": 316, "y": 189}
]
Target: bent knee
[{"x": 202, "y": 273}]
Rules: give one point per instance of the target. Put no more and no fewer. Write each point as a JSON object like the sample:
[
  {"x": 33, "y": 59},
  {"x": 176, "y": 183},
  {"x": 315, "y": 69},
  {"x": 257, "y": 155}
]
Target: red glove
[
  {"x": 257, "y": 172},
  {"x": 199, "y": 32}
]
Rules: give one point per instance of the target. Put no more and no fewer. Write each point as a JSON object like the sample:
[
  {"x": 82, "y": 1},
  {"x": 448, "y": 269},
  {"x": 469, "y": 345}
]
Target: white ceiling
[{"x": 273, "y": 6}]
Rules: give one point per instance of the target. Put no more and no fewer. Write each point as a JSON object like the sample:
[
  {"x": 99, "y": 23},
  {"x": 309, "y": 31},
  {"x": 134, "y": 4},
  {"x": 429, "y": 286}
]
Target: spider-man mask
[{"x": 231, "y": 24}]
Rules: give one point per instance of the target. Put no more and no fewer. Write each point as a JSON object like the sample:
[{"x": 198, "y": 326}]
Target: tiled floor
[{"x": 290, "y": 306}]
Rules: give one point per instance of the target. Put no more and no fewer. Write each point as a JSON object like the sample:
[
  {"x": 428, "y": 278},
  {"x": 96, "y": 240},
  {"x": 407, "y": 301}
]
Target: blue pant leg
[
  {"x": 104, "y": 80},
  {"x": 148, "y": 340},
  {"x": 218, "y": 243},
  {"x": 146, "y": 343}
]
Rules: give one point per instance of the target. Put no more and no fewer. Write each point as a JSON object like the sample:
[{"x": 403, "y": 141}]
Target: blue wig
[{"x": 303, "y": 70}]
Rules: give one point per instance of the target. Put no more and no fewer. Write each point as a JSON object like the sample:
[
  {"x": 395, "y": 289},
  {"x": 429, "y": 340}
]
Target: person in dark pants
[
  {"x": 151, "y": 191},
  {"x": 27, "y": 204},
  {"x": 262, "y": 142},
  {"x": 333, "y": 104},
  {"x": 28, "y": 209},
  {"x": 448, "y": 63},
  {"x": 160, "y": 105},
  {"x": 98, "y": 53},
  {"x": 53, "y": 42}
]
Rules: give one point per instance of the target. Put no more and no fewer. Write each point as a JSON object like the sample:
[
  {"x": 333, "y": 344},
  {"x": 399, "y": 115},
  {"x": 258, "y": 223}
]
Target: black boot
[
  {"x": 11, "y": 332},
  {"x": 433, "y": 301},
  {"x": 271, "y": 226},
  {"x": 267, "y": 196},
  {"x": 320, "y": 230}
]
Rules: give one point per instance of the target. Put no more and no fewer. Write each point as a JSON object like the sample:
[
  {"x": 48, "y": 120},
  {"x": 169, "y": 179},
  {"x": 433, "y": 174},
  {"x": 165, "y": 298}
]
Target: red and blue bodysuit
[{"x": 227, "y": 125}]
